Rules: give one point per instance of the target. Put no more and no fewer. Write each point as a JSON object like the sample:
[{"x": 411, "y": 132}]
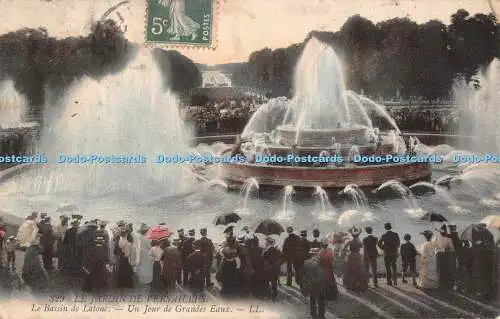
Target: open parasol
[
  {"x": 269, "y": 227},
  {"x": 157, "y": 233}
]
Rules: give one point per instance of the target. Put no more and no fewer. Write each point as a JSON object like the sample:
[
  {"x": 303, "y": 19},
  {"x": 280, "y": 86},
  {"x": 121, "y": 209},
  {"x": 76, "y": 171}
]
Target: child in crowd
[
  {"x": 409, "y": 258},
  {"x": 10, "y": 248}
]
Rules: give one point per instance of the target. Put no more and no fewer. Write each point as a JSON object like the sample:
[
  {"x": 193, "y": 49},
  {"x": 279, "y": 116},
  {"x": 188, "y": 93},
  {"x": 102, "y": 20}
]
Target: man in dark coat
[
  {"x": 370, "y": 254},
  {"x": 272, "y": 259},
  {"x": 313, "y": 284},
  {"x": 186, "y": 250},
  {"x": 389, "y": 243},
  {"x": 95, "y": 265},
  {"x": 179, "y": 243},
  {"x": 258, "y": 283},
  {"x": 195, "y": 263},
  {"x": 315, "y": 243},
  {"x": 304, "y": 245},
  {"x": 290, "y": 246},
  {"x": 70, "y": 248},
  {"x": 172, "y": 264},
  {"x": 208, "y": 249},
  {"x": 47, "y": 240}
]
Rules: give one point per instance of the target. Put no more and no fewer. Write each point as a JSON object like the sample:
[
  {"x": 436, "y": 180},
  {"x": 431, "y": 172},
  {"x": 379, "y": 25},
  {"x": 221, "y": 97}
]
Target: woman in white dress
[
  {"x": 181, "y": 25},
  {"x": 143, "y": 262},
  {"x": 428, "y": 275}
]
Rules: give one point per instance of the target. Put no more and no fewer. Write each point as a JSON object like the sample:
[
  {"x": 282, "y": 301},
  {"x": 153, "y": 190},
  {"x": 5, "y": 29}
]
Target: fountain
[
  {"x": 249, "y": 185},
  {"x": 94, "y": 138},
  {"x": 326, "y": 212},
  {"x": 320, "y": 129},
  {"x": 439, "y": 191},
  {"x": 406, "y": 195},
  {"x": 287, "y": 197},
  {"x": 480, "y": 116},
  {"x": 12, "y": 106},
  {"x": 356, "y": 194}
]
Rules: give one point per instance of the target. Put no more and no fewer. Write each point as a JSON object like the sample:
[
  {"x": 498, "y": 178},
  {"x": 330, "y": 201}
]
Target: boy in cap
[
  {"x": 389, "y": 243},
  {"x": 409, "y": 259}
]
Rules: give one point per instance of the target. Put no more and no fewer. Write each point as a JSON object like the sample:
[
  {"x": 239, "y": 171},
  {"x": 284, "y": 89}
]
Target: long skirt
[
  {"x": 33, "y": 274},
  {"x": 125, "y": 273},
  {"x": 157, "y": 283},
  {"x": 355, "y": 277}
]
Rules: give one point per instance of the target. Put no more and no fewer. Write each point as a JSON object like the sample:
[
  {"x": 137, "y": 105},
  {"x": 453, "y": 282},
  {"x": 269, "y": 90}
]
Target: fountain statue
[{"x": 312, "y": 137}]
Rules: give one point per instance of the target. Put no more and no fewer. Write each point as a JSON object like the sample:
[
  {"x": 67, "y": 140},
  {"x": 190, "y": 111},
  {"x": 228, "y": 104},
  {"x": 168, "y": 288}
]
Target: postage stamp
[{"x": 182, "y": 23}]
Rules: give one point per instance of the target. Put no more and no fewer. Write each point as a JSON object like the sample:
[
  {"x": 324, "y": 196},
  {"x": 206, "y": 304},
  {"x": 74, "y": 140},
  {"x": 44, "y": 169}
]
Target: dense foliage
[{"x": 394, "y": 55}]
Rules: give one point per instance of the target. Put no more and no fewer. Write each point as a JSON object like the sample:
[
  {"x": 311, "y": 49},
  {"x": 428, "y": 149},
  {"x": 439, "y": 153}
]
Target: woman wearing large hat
[{"x": 355, "y": 277}]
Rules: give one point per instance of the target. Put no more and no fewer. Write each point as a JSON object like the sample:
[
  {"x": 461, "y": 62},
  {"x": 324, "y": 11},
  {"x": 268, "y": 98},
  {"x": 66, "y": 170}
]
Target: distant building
[{"x": 215, "y": 79}]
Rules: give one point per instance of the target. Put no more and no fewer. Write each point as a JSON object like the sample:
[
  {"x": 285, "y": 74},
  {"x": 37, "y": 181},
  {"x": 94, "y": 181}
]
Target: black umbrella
[
  {"x": 227, "y": 218},
  {"x": 478, "y": 234},
  {"x": 434, "y": 217},
  {"x": 269, "y": 227}
]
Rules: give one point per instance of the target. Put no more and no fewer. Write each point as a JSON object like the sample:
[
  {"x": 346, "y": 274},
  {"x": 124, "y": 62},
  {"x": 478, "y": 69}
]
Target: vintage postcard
[{"x": 249, "y": 159}]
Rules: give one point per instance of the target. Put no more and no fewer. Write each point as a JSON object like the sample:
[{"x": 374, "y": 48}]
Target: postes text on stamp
[{"x": 181, "y": 23}]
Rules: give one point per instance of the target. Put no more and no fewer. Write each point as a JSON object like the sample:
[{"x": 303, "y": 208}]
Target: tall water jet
[
  {"x": 357, "y": 110},
  {"x": 480, "y": 116},
  {"x": 405, "y": 193},
  {"x": 380, "y": 110},
  {"x": 113, "y": 129},
  {"x": 326, "y": 212},
  {"x": 248, "y": 186},
  {"x": 286, "y": 212},
  {"x": 287, "y": 197},
  {"x": 357, "y": 195},
  {"x": 13, "y": 105},
  {"x": 319, "y": 101}
]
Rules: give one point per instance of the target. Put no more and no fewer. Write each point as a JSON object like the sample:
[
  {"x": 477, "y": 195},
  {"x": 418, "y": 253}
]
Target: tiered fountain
[{"x": 322, "y": 120}]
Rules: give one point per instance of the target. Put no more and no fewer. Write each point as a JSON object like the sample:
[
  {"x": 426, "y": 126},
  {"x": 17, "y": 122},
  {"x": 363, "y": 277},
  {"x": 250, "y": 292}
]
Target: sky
[{"x": 243, "y": 26}]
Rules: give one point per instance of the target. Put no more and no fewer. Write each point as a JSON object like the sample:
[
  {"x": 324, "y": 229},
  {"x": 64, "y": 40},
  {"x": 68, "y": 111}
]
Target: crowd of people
[
  {"x": 229, "y": 116},
  {"x": 120, "y": 258},
  {"x": 222, "y": 116}
]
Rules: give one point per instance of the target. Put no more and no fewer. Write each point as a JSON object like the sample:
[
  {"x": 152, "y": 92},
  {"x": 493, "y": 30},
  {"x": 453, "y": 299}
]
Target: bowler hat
[
  {"x": 387, "y": 226},
  {"x": 289, "y": 229},
  {"x": 191, "y": 232},
  {"x": 303, "y": 233},
  {"x": 203, "y": 231},
  {"x": 180, "y": 230}
]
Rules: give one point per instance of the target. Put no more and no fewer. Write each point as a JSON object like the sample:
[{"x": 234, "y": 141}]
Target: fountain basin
[
  {"x": 321, "y": 137},
  {"x": 326, "y": 177},
  {"x": 384, "y": 149}
]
